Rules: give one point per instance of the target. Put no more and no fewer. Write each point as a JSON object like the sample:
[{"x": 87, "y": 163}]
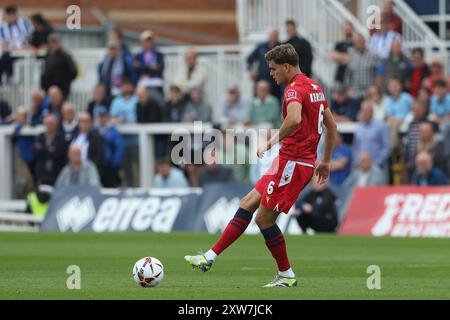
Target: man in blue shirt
[
  {"x": 123, "y": 107},
  {"x": 169, "y": 177},
  {"x": 261, "y": 70},
  {"x": 341, "y": 162},
  {"x": 371, "y": 136},
  {"x": 426, "y": 174},
  {"x": 398, "y": 103},
  {"x": 440, "y": 102}
]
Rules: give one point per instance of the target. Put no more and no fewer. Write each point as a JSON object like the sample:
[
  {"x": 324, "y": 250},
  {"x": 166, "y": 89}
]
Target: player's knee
[
  {"x": 263, "y": 222},
  {"x": 249, "y": 203}
]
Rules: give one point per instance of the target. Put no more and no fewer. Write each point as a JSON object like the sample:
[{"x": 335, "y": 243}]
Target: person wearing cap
[
  {"x": 59, "y": 69},
  {"x": 114, "y": 148},
  {"x": 78, "y": 172},
  {"x": 149, "y": 66},
  {"x": 39, "y": 200},
  {"x": 114, "y": 68},
  {"x": 344, "y": 107}
]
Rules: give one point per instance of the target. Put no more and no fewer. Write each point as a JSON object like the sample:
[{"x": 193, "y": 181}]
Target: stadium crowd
[{"x": 401, "y": 106}]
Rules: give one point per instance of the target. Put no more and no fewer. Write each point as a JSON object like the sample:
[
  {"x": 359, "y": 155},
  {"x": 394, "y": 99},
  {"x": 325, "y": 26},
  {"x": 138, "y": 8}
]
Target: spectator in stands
[
  {"x": 24, "y": 144},
  {"x": 344, "y": 108},
  {"x": 376, "y": 96},
  {"x": 340, "y": 49},
  {"x": 39, "y": 200},
  {"x": 116, "y": 35},
  {"x": 437, "y": 72},
  {"x": 411, "y": 140},
  {"x": 367, "y": 174},
  {"x": 396, "y": 65},
  {"x": 175, "y": 106},
  {"x": 234, "y": 155},
  {"x": 419, "y": 71},
  {"x": 123, "y": 110},
  {"x": 59, "y": 69},
  {"x": 361, "y": 65},
  {"x": 114, "y": 148},
  {"x": 265, "y": 107},
  {"x": 426, "y": 174},
  {"x": 341, "y": 162},
  {"x": 398, "y": 103},
  {"x": 214, "y": 172},
  {"x": 15, "y": 33},
  {"x": 56, "y": 98},
  {"x": 69, "y": 122},
  {"x": 302, "y": 46},
  {"x": 424, "y": 97},
  {"x": 89, "y": 141},
  {"x": 317, "y": 210},
  {"x": 39, "y": 37},
  {"x": 394, "y": 22},
  {"x": 371, "y": 136},
  {"x": 99, "y": 100},
  {"x": 429, "y": 143},
  {"x": 5, "y": 111},
  {"x": 149, "y": 67},
  {"x": 40, "y": 106},
  {"x": 114, "y": 69},
  {"x": 50, "y": 149},
  {"x": 78, "y": 172},
  {"x": 234, "y": 108},
  {"x": 197, "y": 109},
  {"x": 147, "y": 109},
  {"x": 381, "y": 41},
  {"x": 169, "y": 176},
  {"x": 191, "y": 75},
  {"x": 440, "y": 102},
  {"x": 257, "y": 64},
  {"x": 123, "y": 107}
]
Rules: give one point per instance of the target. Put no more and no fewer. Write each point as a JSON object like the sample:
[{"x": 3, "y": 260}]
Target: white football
[{"x": 148, "y": 272}]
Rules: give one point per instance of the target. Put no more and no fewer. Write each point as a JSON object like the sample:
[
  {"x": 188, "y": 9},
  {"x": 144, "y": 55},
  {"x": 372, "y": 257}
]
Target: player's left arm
[
  {"x": 323, "y": 168},
  {"x": 290, "y": 123}
]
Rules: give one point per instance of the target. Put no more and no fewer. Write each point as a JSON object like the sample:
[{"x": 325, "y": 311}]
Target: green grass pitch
[{"x": 33, "y": 266}]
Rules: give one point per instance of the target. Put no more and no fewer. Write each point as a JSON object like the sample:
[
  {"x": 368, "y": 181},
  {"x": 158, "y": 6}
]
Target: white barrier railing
[
  {"x": 225, "y": 66},
  {"x": 318, "y": 21},
  {"x": 145, "y": 133}
]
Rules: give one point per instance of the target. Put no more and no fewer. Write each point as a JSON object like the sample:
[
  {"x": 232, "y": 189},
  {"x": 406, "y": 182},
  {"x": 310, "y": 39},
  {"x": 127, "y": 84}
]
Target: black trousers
[{"x": 317, "y": 222}]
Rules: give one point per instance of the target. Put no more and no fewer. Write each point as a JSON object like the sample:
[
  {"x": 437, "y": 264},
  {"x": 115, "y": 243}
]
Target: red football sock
[
  {"x": 235, "y": 228},
  {"x": 277, "y": 246}
]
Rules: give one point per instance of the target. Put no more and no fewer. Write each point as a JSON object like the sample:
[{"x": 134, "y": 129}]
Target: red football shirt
[{"x": 301, "y": 145}]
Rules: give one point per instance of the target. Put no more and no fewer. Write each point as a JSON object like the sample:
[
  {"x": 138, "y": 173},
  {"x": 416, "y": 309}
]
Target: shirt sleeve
[{"x": 292, "y": 95}]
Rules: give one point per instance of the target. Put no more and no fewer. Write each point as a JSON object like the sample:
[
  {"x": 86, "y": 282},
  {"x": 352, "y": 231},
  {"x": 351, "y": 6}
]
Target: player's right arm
[{"x": 323, "y": 168}]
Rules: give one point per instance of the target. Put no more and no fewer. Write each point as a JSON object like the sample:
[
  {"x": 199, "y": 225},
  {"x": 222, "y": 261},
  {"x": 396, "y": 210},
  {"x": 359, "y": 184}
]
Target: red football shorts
[{"x": 281, "y": 185}]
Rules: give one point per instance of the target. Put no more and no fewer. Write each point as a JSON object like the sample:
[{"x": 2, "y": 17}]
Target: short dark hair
[
  {"x": 419, "y": 51},
  {"x": 174, "y": 88},
  {"x": 291, "y": 22},
  {"x": 11, "y": 9},
  {"x": 283, "y": 53}
]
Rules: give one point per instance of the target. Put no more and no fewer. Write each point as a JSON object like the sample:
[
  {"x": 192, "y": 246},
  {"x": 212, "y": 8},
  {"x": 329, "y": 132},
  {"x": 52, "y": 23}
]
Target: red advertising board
[{"x": 407, "y": 211}]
